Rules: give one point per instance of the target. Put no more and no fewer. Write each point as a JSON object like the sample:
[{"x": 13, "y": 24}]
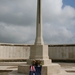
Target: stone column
[
  {"x": 39, "y": 38},
  {"x": 39, "y": 51}
]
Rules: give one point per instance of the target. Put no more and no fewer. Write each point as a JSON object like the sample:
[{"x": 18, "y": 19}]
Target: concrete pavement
[{"x": 68, "y": 67}]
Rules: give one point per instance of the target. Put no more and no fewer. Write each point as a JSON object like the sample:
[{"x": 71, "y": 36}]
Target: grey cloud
[
  {"x": 17, "y": 15},
  {"x": 18, "y": 21},
  {"x": 16, "y": 34}
]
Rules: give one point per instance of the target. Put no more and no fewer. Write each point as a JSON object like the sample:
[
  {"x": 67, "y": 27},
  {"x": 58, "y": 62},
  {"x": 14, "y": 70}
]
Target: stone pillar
[
  {"x": 39, "y": 51},
  {"x": 39, "y": 38}
]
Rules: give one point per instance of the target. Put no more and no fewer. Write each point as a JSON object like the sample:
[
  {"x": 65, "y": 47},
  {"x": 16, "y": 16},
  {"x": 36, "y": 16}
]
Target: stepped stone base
[
  {"x": 39, "y": 52},
  {"x": 15, "y": 73},
  {"x": 52, "y": 69}
]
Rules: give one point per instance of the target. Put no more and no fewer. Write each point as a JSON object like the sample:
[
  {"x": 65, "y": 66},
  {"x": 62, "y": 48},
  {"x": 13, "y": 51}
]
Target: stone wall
[
  {"x": 62, "y": 52},
  {"x": 11, "y": 51},
  {"x": 56, "y": 52}
]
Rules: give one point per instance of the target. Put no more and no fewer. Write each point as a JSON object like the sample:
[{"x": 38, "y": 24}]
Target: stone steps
[{"x": 15, "y": 73}]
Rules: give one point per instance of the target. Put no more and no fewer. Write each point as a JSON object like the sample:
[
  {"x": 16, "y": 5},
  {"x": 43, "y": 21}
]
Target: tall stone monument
[{"x": 39, "y": 51}]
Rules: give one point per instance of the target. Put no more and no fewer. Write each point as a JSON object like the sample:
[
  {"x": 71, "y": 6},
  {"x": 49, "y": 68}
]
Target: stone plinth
[
  {"x": 46, "y": 69},
  {"x": 51, "y": 69},
  {"x": 39, "y": 52}
]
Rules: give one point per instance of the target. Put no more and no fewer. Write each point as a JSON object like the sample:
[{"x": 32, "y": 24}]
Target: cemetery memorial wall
[{"x": 22, "y": 52}]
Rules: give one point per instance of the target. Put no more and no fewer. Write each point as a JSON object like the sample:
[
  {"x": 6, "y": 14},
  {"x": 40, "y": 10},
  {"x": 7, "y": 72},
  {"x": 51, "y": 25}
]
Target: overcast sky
[{"x": 18, "y": 21}]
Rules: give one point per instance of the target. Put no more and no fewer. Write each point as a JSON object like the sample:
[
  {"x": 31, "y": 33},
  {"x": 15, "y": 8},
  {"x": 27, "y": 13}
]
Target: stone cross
[{"x": 39, "y": 38}]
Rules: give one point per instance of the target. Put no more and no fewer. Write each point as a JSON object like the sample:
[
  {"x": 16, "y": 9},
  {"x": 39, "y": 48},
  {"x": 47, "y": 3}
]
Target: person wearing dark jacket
[{"x": 38, "y": 67}]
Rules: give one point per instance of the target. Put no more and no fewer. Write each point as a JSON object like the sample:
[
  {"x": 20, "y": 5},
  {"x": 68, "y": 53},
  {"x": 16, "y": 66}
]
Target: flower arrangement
[{"x": 37, "y": 62}]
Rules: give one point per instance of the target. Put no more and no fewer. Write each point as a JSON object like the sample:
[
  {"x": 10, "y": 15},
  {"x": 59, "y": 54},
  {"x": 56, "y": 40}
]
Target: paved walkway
[
  {"x": 11, "y": 63},
  {"x": 69, "y": 67}
]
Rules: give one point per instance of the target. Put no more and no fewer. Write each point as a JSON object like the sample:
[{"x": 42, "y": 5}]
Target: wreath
[{"x": 36, "y": 62}]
